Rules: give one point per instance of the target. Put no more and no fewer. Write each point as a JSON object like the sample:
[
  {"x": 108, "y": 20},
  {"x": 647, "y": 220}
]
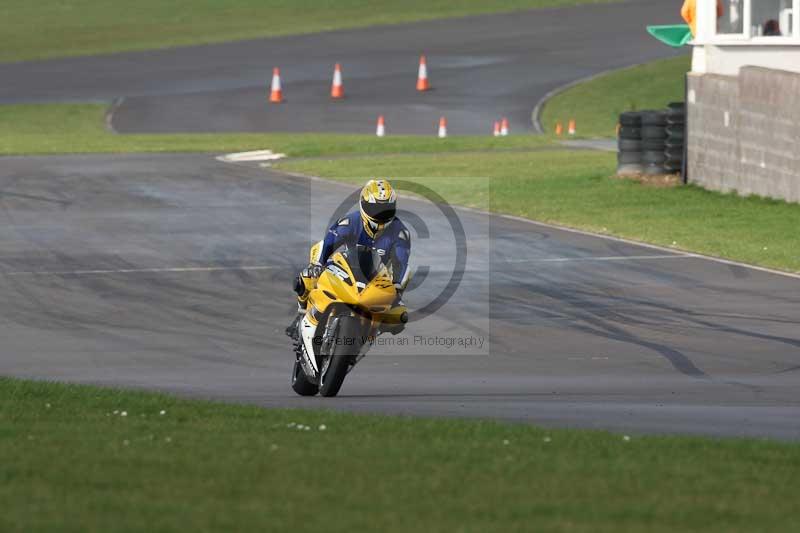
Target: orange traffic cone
[
  {"x": 275, "y": 93},
  {"x": 442, "y": 128},
  {"x": 571, "y": 127},
  {"x": 337, "y": 89},
  {"x": 496, "y": 131},
  {"x": 559, "y": 128},
  {"x": 380, "y": 131},
  {"x": 422, "y": 77},
  {"x": 504, "y": 127}
]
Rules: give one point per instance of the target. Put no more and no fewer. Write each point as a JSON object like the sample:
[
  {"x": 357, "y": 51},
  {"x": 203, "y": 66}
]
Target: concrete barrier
[{"x": 744, "y": 132}]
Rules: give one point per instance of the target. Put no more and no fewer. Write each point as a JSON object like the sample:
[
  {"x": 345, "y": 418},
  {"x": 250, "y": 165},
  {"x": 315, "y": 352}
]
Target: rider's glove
[{"x": 313, "y": 270}]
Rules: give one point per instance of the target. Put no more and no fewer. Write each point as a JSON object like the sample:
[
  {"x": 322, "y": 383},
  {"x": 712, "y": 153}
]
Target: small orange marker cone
[
  {"x": 275, "y": 93},
  {"x": 442, "y": 128},
  {"x": 337, "y": 89},
  {"x": 571, "y": 127},
  {"x": 504, "y": 127},
  {"x": 496, "y": 131},
  {"x": 422, "y": 76},
  {"x": 380, "y": 131},
  {"x": 559, "y": 128}
]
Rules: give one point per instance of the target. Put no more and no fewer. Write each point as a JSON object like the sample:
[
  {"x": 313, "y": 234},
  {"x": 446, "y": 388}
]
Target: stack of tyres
[
  {"x": 629, "y": 157},
  {"x": 654, "y": 138},
  {"x": 673, "y": 145}
]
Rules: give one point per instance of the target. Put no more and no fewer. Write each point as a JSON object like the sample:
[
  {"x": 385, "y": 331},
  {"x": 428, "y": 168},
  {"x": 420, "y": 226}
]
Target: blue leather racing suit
[{"x": 392, "y": 244}]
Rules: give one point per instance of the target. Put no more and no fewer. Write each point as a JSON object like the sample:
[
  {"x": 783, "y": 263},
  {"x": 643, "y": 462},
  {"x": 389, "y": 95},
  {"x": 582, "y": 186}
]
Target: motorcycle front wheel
[
  {"x": 300, "y": 383},
  {"x": 344, "y": 351}
]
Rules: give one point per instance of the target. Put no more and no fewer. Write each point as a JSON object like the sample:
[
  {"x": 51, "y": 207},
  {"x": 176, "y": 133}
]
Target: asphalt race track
[
  {"x": 172, "y": 272},
  {"x": 481, "y": 68}
]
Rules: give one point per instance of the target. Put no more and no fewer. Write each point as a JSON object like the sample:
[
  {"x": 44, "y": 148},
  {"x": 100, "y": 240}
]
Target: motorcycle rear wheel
[
  {"x": 300, "y": 383},
  {"x": 345, "y": 350}
]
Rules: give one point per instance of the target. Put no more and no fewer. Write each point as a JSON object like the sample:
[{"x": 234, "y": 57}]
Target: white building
[
  {"x": 743, "y": 98},
  {"x": 760, "y": 33}
]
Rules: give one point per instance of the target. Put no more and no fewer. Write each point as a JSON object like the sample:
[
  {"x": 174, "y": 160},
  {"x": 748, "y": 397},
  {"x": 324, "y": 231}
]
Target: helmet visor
[{"x": 380, "y": 213}]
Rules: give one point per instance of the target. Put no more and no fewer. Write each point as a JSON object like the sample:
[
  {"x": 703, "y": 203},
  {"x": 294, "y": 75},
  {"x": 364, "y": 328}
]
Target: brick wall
[{"x": 744, "y": 132}]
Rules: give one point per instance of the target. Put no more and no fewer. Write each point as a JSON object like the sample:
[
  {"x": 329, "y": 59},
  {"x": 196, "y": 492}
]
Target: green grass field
[
  {"x": 596, "y": 104},
  {"x": 52, "y": 28},
  {"x": 575, "y": 188},
  {"x": 72, "y": 462}
]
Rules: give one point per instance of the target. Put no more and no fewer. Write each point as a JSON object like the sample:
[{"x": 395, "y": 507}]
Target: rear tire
[
  {"x": 654, "y": 132},
  {"x": 675, "y": 133},
  {"x": 653, "y": 157},
  {"x": 629, "y": 158},
  {"x": 631, "y": 119},
  {"x": 651, "y": 145},
  {"x": 630, "y": 145},
  {"x": 300, "y": 383},
  {"x": 630, "y": 132},
  {"x": 653, "y": 118},
  {"x": 345, "y": 350}
]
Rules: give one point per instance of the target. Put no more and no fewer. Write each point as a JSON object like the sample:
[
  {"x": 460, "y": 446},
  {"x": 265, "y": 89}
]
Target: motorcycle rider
[{"x": 374, "y": 228}]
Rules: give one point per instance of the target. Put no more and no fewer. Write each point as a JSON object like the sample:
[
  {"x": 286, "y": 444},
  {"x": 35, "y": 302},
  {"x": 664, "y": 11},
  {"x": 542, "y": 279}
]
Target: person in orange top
[{"x": 689, "y": 10}]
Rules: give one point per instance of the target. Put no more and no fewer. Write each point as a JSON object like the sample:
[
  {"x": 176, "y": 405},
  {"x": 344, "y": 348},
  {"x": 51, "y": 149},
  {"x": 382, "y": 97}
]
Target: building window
[
  {"x": 740, "y": 21},
  {"x": 730, "y": 17},
  {"x": 771, "y": 18}
]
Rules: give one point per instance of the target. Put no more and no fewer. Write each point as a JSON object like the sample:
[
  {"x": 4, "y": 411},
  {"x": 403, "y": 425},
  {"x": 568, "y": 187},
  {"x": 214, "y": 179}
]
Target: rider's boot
[
  {"x": 293, "y": 331},
  {"x": 303, "y": 284}
]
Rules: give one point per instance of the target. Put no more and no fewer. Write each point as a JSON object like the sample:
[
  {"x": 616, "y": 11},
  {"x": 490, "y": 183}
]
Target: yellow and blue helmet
[{"x": 378, "y": 205}]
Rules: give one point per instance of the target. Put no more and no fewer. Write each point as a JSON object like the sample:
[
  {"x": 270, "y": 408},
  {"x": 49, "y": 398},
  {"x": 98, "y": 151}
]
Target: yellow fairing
[
  {"x": 335, "y": 287},
  {"x": 395, "y": 315},
  {"x": 375, "y": 298},
  {"x": 308, "y": 286},
  {"x": 315, "y": 253}
]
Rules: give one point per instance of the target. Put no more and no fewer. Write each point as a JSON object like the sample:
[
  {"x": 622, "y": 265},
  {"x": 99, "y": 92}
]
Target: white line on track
[
  {"x": 166, "y": 270},
  {"x": 600, "y": 258},
  {"x": 245, "y": 157},
  {"x": 256, "y": 268}
]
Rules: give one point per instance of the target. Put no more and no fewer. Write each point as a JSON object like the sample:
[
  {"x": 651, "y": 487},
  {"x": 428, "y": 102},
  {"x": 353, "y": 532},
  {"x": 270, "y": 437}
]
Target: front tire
[
  {"x": 300, "y": 383},
  {"x": 344, "y": 352}
]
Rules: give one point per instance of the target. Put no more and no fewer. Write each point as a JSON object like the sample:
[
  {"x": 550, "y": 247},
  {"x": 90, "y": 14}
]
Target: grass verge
[
  {"x": 574, "y": 188},
  {"x": 79, "y": 128},
  {"x": 596, "y": 104},
  {"x": 52, "y": 28},
  {"x": 72, "y": 462}
]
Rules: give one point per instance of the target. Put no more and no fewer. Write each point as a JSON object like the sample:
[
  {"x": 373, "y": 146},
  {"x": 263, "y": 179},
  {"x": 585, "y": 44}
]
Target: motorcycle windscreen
[{"x": 365, "y": 262}]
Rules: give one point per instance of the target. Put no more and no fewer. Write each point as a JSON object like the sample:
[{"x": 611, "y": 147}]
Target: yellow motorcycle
[{"x": 353, "y": 302}]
